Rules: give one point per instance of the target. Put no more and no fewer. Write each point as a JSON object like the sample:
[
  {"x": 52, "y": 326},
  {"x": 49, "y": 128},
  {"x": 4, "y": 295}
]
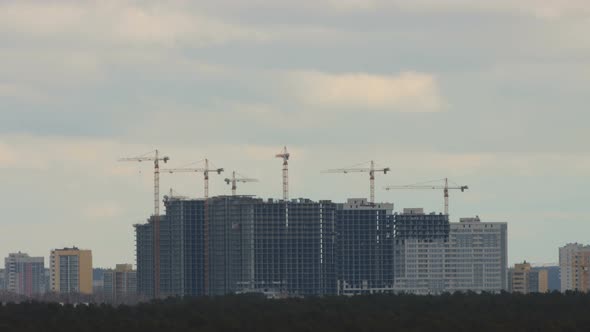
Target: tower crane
[
  {"x": 234, "y": 180},
  {"x": 425, "y": 185},
  {"x": 205, "y": 170},
  {"x": 155, "y": 157},
  {"x": 371, "y": 170},
  {"x": 285, "y": 156}
]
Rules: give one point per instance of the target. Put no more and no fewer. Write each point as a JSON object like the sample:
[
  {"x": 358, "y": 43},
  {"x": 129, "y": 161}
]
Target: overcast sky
[{"x": 492, "y": 94}]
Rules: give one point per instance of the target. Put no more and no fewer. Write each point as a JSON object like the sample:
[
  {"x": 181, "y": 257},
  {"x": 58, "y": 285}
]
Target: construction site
[{"x": 298, "y": 247}]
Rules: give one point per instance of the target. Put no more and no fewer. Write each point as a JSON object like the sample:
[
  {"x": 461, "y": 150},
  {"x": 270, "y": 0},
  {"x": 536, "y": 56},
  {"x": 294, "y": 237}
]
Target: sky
[{"x": 491, "y": 94}]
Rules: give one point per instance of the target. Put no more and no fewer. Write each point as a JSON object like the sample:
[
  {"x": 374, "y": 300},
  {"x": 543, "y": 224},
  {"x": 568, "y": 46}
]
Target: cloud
[
  {"x": 542, "y": 9},
  {"x": 406, "y": 92},
  {"x": 119, "y": 22}
]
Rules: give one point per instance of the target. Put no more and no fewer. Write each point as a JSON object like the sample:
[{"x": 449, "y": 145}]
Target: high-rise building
[
  {"x": 364, "y": 247},
  {"x": 472, "y": 258},
  {"x": 273, "y": 247},
  {"x": 144, "y": 256},
  {"x": 478, "y": 256},
  {"x": 120, "y": 284},
  {"x": 574, "y": 267},
  {"x": 524, "y": 279},
  {"x": 24, "y": 275},
  {"x": 421, "y": 242},
  {"x": 71, "y": 271},
  {"x": 181, "y": 249},
  {"x": 300, "y": 248}
]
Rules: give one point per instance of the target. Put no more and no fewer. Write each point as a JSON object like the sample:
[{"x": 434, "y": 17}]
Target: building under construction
[
  {"x": 181, "y": 250},
  {"x": 300, "y": 247},
  {"x": 273, "y": 247},
  {"x": 364, "y": 243}
]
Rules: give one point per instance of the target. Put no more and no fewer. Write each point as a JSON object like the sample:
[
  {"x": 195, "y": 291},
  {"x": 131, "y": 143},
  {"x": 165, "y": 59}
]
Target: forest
[{"x": 447, "y": 312}]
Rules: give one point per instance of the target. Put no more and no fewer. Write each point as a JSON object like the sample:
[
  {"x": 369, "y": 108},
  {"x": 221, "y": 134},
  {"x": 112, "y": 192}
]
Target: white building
[{"x": 474, "y": 257}]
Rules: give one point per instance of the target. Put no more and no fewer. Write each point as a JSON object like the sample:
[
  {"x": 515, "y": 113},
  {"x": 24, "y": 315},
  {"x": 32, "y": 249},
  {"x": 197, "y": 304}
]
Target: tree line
[{"x": 402, "y": 312}]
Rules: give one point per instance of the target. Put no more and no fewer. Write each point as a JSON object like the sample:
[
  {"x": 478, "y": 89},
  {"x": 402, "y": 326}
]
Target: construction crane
[
  {"x": 205, "y": 170},
  {"x": 234, "y": 180},
  {"x": 285, "y": 156},
  {"x": 155, "y": 157},
  {"x": 426, "y": 185},
  {"x": 371, "y": 170}
]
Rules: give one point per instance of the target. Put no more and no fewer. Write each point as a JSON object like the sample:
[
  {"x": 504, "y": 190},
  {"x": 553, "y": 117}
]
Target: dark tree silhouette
[{"x": 447, "y": 312}]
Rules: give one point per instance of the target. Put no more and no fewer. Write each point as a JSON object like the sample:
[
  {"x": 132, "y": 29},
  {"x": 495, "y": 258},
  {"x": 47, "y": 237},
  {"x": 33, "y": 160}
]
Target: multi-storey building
[
  {"x": 421, "y": 242},
  {"x": 71, "y": 271},
  {"x": 144, "y": 257},
  {"x": 274, "y": 247},
  {"x": 524, "y": 279},
  {"x": 478, "y": 256},
  {"x": 24, "y": 275},
  {"x": 364, "y": 247},
  {"x": 181, "y": 249},
  {"x": 472, "y": 258},
  {"x": 574, "y": 267},
  {"x": 120, "y": 284},
  {"x": 300, "y": 247}
]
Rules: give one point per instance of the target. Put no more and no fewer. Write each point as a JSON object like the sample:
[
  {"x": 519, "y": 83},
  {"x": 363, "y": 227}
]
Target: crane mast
[
  {"x": 285, "y": 156},
  {"x": 156, "y": 159},
  {"x": 371, "y": 170},
  {"x": 445, "y": 187}
]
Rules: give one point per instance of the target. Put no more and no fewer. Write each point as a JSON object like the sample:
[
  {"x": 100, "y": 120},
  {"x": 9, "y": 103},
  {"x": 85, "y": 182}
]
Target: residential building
[
  {"x": 120, "y": 284},
  {"x": 24, "y": 275},
  {"x": 364, "y": 247},
  {"x": 421, "y": 242},
  {"x": 574, "y": 265},
  {"x": 71, "y": 271},
  {"x": 478, "y": 256},
  {"x": 524, "y": 279},
  {"x": 472, "y": 258}
]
